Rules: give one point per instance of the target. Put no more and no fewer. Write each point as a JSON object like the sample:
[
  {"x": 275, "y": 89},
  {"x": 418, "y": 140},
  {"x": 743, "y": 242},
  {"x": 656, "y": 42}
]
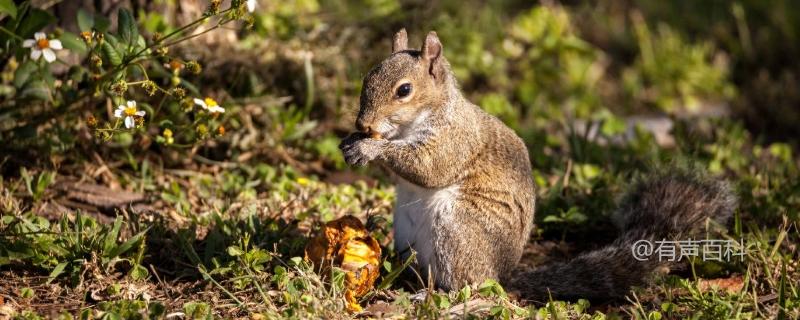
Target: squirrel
[{"x": 465, "y": 194}]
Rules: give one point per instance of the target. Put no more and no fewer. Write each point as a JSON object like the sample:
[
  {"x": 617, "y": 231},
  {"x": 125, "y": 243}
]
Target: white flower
[
  {"x": 251, "y": 5},
  {"x": 40, "y": 45},
  {"x": 129, "y": 111},
  {"x": 210, "y": 105}
]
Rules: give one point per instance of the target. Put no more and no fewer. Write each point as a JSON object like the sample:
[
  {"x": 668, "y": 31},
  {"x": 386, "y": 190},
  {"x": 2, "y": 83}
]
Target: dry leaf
[{"x": 729, "y": 285}]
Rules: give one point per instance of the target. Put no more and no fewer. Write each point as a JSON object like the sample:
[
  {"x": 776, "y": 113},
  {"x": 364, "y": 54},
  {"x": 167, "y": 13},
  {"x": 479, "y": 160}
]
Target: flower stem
[
  {"x": 192, "y": 36},
  {"x": 11, "y": 33},
  {"x": 173, "y": 33}
]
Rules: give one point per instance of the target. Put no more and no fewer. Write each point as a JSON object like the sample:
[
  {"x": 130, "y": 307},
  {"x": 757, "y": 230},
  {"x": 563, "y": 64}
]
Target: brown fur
[{"x": 435, "y": 139}]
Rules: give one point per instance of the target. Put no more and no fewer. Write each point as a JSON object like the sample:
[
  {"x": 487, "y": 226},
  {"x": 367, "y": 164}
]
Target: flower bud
[
  {"x": 194, "y": 67},
  {"x": 119, "y": 88},
  {"x": 150, "y": 87},
  {"x": 87, "y": 37},
  {"x": 202, "y": 130},
  {"x": 168, "y": 139},
  {"x": 178, "y": 92},
  {"x": 96, "y": 62},
  {"x": 91, "y": 121},
  {"x": 213, "y": 7},
  {"x": 12, "y": 64},
  {"x": 162, "y": 51}
]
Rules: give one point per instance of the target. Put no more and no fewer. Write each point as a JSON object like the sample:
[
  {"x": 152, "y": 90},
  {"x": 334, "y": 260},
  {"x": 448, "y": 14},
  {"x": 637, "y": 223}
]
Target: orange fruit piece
[{"x": 346, "y": 243}]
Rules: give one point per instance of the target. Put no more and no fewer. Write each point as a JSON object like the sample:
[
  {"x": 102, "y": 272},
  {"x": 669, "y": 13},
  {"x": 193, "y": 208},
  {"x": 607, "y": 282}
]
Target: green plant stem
[
  {"x": 264, "y": 296},
  {"x": 193, "y": 35},
  {"x": 144, "y": 72},
  {"x": 11, "y": 33},
  {"x": 230, "y": 294},
  {"x": 173, "y": 33}
]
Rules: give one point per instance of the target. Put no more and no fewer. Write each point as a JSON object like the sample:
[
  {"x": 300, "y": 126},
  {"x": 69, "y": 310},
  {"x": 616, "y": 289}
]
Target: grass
[{"x": 222, "y": 240}]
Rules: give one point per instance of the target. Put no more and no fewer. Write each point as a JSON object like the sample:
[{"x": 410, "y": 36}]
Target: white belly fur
[{"x": 414, "y": 214}]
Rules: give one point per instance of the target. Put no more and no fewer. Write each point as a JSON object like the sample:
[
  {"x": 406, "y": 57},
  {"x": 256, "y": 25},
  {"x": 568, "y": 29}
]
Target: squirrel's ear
[
  {"x": 432, "y": 54},
  {"x": 400, "y": 41}
]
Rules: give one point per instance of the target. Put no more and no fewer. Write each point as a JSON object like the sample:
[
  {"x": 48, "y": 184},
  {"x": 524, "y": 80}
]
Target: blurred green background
[{"x": 529, "y": 63}]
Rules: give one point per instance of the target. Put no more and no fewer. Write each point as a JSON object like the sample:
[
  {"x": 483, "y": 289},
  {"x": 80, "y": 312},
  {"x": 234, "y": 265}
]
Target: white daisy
[
  {"x": 129, "y": 112},
  {"x": 40, "y": 45},
  {"x": 210, "y": 105},
  {"x": 251, "y": 5}
]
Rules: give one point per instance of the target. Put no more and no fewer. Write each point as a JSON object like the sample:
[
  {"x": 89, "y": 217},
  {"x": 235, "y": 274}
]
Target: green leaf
[
  {"x": 33, "y": 22},
  {"x": 58, "y": 270},
  {"x": 23, "y": 73},
  {"x": 85, "y": 20},
  {"x": 491, "y": 288},
  {"x": 197, "y": 310},
  {"x": 464, "y": 294},
  {"x": 72, "y": 42},
  {"x": 111, "y": 315},
  {"x": 26, "y": 293},
  {"x": 387, "y": 266},
  {"x": 101, "y": 23},
  {"x": 234, "y": 251},
  {"x": 7, "y": 6},
  {"x": 36, "y": 89},
  {"x": 111, "y": 54},
  {"x": 157, "y": 310},
  {"x": 654, "y": 315},
  {"x": 139, "y": 272},
  {"x": 119, "y": 250},
  {"x": 141, "y": 43},
  {"x": 127, "y": 28},
  {"x": 389, "y": 278},
  {"x": 76, "y": 73},
  {"x": 552, "y": 218},
  {"x": 613, "y": 125},
  {"x": 114, "y": 41},
  {"x": 85, "y": 314},
  {"x": 441, "y": 301},
  {"x": 111, "y": 237},
  {"x": 43, "y": 181}
]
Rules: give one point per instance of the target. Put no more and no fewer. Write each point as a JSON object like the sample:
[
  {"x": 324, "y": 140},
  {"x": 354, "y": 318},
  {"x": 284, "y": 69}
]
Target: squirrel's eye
[{"x": 403, "y": 90}]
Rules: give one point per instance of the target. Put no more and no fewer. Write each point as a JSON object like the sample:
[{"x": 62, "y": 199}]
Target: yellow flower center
[
  {"x": 43, "y": 43},
  {"x": 130, "y": 111},
  {"x": 210, "y": 102}
]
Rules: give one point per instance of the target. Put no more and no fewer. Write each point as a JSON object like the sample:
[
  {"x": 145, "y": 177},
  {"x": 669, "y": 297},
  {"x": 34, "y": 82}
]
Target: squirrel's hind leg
[{"x": 472, "y": 246}]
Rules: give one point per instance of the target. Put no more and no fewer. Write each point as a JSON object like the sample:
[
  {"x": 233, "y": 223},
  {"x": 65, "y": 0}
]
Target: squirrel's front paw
[{"x": 359, "y": 149}]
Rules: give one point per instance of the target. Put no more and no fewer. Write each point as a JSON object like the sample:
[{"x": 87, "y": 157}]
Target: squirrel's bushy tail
[{"x": 667, "y": 206}]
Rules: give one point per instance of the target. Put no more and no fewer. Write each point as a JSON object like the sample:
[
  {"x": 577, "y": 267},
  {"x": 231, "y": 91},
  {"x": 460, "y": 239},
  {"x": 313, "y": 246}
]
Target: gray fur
[{"x": 667, "y": 206}]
